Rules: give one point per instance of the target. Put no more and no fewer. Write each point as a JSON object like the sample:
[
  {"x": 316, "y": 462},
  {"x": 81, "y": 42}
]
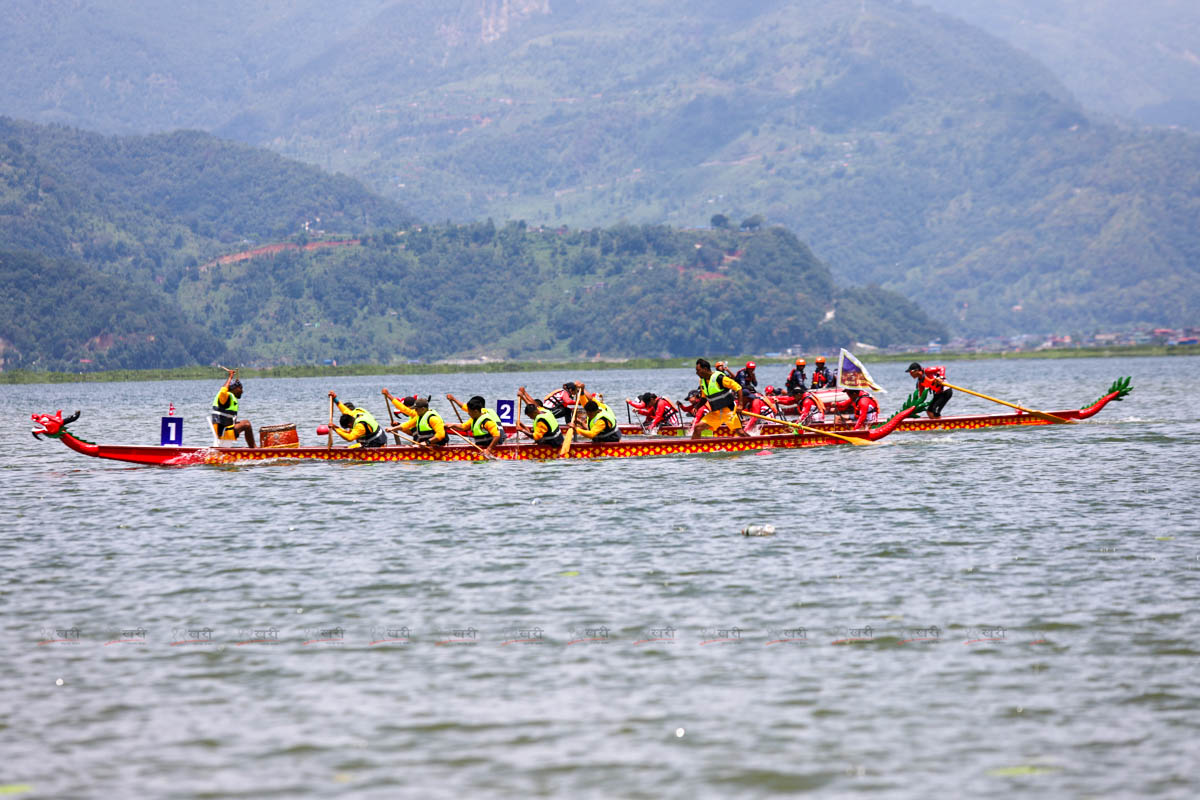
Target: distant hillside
[
  {"x": 148, "y": 207},
  {"x": 1136, "y": 60},
  {"x": 478, "y": 290},
  {"x": 62, "y": 315},
  {"x": 153, "y": 252},
  {"x": 907, "y": 148}
]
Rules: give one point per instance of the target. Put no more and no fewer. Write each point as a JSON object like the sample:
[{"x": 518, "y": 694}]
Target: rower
[
  {"x": 796, "y": 379},
  {"x": 485, "y": 425},
  {"x": 781, "y": 399},
  {"x": 657, "y": 410},
  {"x": 747, "y": 378},
  {"x": 602, "y": 423},
  {"x": 546, "y": 430},
  {"x": 358, "y": 425},
  {"x": 226, "y": 426},
  {"x": 755, "y": 404},
  {"x": 822, "y": 378},
  {"x": 864, "y": 406},
  {"x": 931, "y": 378},
  {"x": 562, "y": 401},
  {"x": 425, "y": 425},
  {"x": 721, "y": 366},
  {"x": 693, "y": 403},
  {"x": 718, "y": 389}
]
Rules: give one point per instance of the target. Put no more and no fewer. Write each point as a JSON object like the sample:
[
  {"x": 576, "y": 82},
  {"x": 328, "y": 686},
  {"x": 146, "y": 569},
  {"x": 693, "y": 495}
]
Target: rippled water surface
[{"x": 1058, "y": 564}]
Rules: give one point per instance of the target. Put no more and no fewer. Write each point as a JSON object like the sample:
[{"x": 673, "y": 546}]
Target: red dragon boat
[
  {"x": 955, "y": 422},
  {"x": 55, "y": 427}
]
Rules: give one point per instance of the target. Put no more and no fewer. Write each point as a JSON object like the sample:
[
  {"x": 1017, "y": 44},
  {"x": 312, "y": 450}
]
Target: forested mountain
[
  {"x": 128, "y": 231},
  {"x": 1136, "y": 60},
  {"x": 907, "y": 148}
]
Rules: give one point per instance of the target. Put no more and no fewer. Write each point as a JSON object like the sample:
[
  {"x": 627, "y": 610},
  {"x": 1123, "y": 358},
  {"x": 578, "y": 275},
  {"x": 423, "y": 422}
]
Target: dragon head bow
[{"x": 52, "y": 426}]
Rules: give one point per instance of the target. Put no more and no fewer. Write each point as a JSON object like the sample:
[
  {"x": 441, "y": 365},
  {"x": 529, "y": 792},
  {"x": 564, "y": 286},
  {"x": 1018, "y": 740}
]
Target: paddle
[
  {"x": 850, "y": 439},
  {"x": 471, "y": 442},
  {"x": 1030, "y": 411},
  {"x": 569, "y": 436},
  {"x": 387, "y": 398},
  {"x": 329, "y": 444}
]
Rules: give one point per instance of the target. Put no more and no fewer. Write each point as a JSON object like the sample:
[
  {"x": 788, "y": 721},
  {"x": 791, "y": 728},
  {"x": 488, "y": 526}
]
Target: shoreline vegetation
[{"x": 324, "y": 370}]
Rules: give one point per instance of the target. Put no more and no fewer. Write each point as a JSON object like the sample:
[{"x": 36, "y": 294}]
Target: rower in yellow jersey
[
  {"x": 720, "y": 392},
  {"x": 425, "y": 425},
  {"x": 485, "y": 425},
  {"x": 226, "y": 425},
  {"x": 602, "y": 423},
  {"x": 357, "y": 425},
  {"x": 546, "y": 429}
]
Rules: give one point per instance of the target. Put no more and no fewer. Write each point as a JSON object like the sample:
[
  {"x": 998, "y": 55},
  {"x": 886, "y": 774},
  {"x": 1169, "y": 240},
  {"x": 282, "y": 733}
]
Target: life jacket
[
  {"x": 482, "y": 437},
  {"x": 224, "y": 417},
  {"x": 424, "y": 431},
  {"x": 717, "y": 395},
  {"x": 796, "y": 379},
  {"x": 926, "y": 380},
  {"x": 553, "y": 435},
  {"x": 374, "y": 436},
  {"x": 611, "y": 433},
  {"x": 669, "y": 415},
  {"x": 821, "y": 377}
]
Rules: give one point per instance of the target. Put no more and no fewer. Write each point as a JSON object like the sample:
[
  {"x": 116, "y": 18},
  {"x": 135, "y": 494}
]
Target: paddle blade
[{"x": 567, "y": 439}]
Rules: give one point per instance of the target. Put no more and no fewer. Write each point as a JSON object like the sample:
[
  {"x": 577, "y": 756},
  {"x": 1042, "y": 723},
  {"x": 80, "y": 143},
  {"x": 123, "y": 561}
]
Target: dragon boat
[
  {"x": 912, "y": 424},
  {"x": 55, "y": 427}
]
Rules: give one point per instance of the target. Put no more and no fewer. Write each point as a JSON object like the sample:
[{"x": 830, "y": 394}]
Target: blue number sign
[
  {"x": 506, "y": 410},
  {"x": 172, "y": 431}
]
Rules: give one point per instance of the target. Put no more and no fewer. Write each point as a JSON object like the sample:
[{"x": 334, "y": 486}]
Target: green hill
[{"x": 129, "y": 229}]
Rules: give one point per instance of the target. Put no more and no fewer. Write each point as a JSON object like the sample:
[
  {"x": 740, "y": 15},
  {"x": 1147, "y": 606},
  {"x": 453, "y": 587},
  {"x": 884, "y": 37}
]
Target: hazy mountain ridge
[{"x": 907, "y": 148}]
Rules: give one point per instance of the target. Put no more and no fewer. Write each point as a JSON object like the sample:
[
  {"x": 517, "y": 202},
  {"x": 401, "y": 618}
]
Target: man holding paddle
[
  {"x": 357, "y": 425},
  {"x": 931, "y": 378},
  {"x": 485, "y": 429},
  {"x": 720, "y": 393},
  {"x": 226, "y": 425}
]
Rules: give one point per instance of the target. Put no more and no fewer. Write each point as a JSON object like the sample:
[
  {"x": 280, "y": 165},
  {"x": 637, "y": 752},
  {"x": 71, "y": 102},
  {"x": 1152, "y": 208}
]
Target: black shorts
[
  {"x": 552, "y": 441},
  {"x": 939, "y": 402}
]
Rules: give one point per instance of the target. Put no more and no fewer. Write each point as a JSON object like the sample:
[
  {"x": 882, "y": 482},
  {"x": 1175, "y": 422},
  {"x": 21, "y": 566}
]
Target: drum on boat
[{"x": 279, "y": 435}]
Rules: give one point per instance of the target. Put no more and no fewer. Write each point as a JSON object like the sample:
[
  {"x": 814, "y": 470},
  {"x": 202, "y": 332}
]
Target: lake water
[{"x": 602, "y": 629}]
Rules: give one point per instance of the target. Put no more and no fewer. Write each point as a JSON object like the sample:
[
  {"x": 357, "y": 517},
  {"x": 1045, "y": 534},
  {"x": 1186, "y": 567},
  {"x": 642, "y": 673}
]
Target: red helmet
[
  {"x": 749, "y": 365},
  {"x": 770, "y": 390}
]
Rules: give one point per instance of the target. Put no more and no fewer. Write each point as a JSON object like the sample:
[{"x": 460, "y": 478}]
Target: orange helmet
[
  {"x": 820, "y": 359},
  {"x": 800, "y": 362}
]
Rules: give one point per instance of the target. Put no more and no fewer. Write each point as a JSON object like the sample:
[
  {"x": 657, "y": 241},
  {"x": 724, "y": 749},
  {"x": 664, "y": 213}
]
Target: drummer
[{"x": 226, "y": 426}]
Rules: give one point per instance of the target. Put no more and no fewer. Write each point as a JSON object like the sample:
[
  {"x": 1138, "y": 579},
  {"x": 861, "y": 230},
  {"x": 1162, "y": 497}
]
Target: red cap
[{"x": 749, "y": 365}]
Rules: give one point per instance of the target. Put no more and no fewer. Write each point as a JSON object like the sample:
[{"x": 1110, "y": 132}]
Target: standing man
[
  {"x": 720, "y": 392},
  {"x": 226, "y": 426},
  {"x": 796, "y": 379},
  {"x": 358, "y": 425},
  {"x": 931, "y": 378}
]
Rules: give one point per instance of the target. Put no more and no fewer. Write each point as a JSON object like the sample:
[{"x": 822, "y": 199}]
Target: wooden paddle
[
  {"x": 569, "y": 436},
  {"x": 387, "y": 398},
  {"x": 1030, "y": 411},
  {"x": 850, "y": 439},
  {"x": 471, "y": 442},
  {"x": 329, "y": 444}
]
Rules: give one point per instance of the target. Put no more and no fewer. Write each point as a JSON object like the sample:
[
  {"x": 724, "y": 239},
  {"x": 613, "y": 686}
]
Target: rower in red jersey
[
  {"x": 931, "y": 378},
  {"x": 693, "y": 404},
  {"x": 655, "y": 410},
  {"x": 864, "y": 406},
  {"x": 784, "y": 403},
  {"x": 755, "y": 404}
]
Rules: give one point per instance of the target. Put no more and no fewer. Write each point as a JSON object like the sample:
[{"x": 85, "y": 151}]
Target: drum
[{"x": 278, "y": 436}]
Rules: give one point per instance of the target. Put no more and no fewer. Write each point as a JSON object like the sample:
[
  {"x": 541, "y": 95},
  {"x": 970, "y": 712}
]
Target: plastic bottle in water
[{"x": 758, "y": 530}]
